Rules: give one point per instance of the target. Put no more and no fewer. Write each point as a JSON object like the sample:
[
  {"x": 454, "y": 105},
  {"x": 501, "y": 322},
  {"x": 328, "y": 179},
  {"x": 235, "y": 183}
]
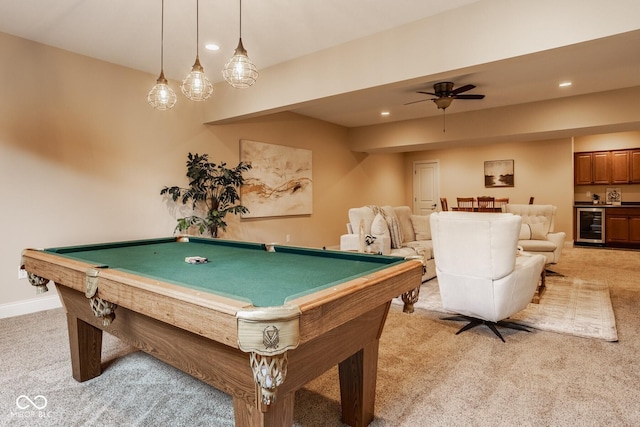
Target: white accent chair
[
  {"x": 481, "y": 273},
  {"x": 537, "y": 234}
]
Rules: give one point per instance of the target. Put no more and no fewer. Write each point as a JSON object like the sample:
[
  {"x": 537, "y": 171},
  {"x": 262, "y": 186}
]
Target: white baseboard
[{"x": 30, "y": 306}]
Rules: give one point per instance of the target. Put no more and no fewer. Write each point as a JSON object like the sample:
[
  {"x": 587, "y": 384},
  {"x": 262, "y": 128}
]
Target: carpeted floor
[
  {"x": 568, "y": 305},
  {"x": 426, "y": 376}
]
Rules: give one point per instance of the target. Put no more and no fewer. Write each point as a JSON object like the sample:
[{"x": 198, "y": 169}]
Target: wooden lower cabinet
[
  {"x": 617, "y": 229},
  {"x": 623, "y": 227},
  {"x": 634, "y": 230}
]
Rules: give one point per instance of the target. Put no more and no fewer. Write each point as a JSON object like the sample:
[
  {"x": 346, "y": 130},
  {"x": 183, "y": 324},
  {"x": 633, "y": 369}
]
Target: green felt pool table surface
[{"x": 240, "y": 270}]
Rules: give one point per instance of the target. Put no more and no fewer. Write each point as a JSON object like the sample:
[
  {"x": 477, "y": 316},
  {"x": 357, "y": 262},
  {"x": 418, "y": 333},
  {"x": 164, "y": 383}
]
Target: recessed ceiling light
[
  {"x": 385, "y": 113},
  {"x": 212, "y": 46},
  {"x": 564, "y": 84}
]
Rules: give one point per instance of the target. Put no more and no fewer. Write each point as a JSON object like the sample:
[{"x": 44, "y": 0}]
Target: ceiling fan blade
[
  {"x": 462, "y": 89},
  {"x": 469, "y": 96},
  {"x": 427, "y": 93},
  {"x": 414, "y": 102}
]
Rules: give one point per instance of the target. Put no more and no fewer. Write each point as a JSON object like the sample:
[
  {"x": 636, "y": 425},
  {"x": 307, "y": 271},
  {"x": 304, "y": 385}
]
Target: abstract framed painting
[
  {"x": 279, "y": 182},
  {"x": 498, "y": 173}
]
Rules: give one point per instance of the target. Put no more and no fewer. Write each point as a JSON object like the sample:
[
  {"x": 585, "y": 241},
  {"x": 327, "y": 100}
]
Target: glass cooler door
[{"x": 590, "y": 225}]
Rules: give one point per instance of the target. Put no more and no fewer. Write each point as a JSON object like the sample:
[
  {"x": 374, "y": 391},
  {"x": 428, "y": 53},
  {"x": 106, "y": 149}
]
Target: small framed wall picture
[{"x": 498, "y": 173}]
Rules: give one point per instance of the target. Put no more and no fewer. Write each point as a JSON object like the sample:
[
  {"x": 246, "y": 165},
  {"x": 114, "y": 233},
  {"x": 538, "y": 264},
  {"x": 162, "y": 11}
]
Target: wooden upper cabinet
[
  {"x": 582, "y": 168},
  {"x": 601, "y": 167},
  {"x": 607, "y": 167},
  {"x": 620, "y": 167},
  {"x": 634, "y": 163}
]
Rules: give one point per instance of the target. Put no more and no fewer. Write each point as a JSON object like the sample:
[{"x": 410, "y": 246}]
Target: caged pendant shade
[
  {"x": 161, "y": 96},
  {"x": 239, "y": 71},
  {"x": 196, "y": 86}
]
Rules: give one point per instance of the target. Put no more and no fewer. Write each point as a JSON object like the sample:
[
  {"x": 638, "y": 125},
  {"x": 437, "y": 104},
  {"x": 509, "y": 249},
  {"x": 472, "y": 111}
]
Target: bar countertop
[{"x": 579, "y": 204}]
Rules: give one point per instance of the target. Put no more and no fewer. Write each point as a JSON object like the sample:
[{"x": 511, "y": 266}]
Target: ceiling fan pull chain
[{"x": 444, "y": 121}]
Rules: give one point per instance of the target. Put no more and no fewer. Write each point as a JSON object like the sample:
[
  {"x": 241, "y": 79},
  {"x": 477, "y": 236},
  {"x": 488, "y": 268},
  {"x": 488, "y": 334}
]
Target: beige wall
[
  {"x": 341, "y": 178},
  {"x": 542, "y": 169},
  {"x": 83, "y": 159}
]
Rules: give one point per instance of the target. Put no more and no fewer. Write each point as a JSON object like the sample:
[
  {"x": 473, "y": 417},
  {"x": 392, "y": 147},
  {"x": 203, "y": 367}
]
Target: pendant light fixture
[
  {"x": 196, "y": 86},
  {"x": 161, "y": 96},
  {"x": 239, "y": 71}
]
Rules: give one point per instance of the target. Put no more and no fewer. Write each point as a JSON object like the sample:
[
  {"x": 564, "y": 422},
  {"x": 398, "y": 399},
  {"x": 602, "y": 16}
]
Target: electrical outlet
[
  {"x": 288, "y": 238},
  {"x": 22, "y": 274}
]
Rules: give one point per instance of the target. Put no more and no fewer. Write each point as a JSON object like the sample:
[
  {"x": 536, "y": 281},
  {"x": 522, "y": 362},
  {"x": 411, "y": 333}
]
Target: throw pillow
[
  {"x": 538, "y": 231},
  {"x": 421, "y": 227},
  {"x": 532, "y": 232},
  {"x": 525, "y": 232},
  {"x": 403, "y": 213},
  {"x": 395, "y": 232},
  {"x": 379, "y": 227}
]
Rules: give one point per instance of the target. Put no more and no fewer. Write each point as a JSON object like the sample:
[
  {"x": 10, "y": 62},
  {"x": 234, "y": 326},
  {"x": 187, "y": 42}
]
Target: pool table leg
[
  {"x": 85, "y": 343},
  {"x": 279, "y": 414},
  {"x": 358, "y": 375},
  {"x": 410, "y": 298}
]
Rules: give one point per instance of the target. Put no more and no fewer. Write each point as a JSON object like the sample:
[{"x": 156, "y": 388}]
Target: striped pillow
[{"x": 395, "y": 231}]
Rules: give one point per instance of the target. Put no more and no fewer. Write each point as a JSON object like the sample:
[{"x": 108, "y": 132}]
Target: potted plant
[{"x": 213, "y": 189}]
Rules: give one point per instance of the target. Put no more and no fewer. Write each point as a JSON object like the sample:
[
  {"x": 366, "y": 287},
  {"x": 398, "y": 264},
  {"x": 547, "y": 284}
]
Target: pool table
[{"x": 255, "y": 321}]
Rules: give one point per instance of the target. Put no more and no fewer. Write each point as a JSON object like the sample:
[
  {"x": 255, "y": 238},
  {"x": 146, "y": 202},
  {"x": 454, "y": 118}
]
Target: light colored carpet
[
  {"x": 568, "y": 306},
  {"x": 427, "y": 375}
]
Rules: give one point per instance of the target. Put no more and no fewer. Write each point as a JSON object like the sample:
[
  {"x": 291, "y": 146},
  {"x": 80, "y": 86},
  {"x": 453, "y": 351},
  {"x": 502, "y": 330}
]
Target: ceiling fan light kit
[
  {"x": 444, "y": 102},
  {"x": 445, "y": 94}
]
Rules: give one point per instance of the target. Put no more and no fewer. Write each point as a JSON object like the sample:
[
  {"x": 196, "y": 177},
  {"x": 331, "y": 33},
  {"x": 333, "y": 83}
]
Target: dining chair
[
  {"x": 444, "y": 204},
  {"x": 465, "y": 204},
  {"x": 485, "y": 204},
  {"x": 499, "y": 201}
]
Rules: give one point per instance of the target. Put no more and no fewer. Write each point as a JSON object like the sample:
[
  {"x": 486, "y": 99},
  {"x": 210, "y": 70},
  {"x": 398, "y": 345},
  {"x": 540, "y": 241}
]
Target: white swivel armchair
[{"x": 481, "y": 274}]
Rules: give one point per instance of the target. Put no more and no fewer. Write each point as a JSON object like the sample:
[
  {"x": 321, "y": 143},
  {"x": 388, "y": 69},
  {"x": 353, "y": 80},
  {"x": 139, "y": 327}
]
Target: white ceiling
[
  {"x": 127, "y": 32},
  {"x": 596, "y": 66}
]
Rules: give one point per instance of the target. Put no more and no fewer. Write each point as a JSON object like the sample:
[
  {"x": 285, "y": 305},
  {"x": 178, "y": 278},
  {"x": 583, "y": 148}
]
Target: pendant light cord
[
  {"x": 162, "y": 40},
  {"x": 197, "y": 27}
]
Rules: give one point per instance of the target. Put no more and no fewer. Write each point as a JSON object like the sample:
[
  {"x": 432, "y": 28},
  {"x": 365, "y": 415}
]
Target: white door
[{"x": 426, "y": 187}]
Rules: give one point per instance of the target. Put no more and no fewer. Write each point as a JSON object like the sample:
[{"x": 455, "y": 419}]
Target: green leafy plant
[{"x": 212, "y": 187}]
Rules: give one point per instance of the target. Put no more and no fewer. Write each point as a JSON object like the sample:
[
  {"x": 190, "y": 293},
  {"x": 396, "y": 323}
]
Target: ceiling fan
[{"x": 445, "y": 94}]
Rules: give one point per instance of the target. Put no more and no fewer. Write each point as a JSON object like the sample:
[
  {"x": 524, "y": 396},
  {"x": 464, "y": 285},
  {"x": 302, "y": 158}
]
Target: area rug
[{"x": 568, "y": 306}]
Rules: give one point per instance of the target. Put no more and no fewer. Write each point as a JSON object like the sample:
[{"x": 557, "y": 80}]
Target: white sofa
[
  {"x": 537, "y": 233},
  {"x": 396, "y": 230}
]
